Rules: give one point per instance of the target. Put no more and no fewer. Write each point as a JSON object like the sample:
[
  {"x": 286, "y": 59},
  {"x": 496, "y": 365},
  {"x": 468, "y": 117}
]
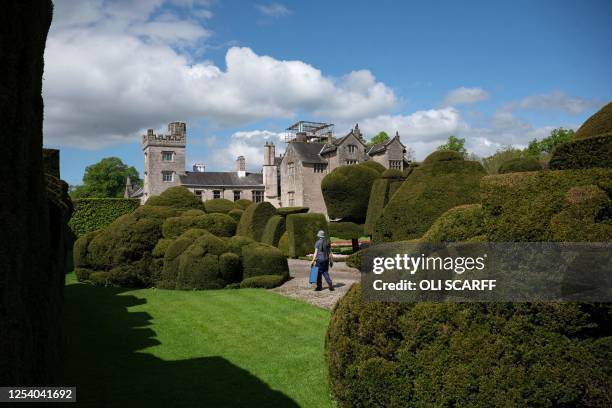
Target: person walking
[{"x": 322, "y": 258}]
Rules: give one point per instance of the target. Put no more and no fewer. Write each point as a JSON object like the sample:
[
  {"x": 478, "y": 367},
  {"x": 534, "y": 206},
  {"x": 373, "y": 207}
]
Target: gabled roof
[
  {"x": 330, "y": 147},
  {"x": 308, "y": 152},
  {"x": 220, "y": 178},
  {"x": 381, "y": 147}
]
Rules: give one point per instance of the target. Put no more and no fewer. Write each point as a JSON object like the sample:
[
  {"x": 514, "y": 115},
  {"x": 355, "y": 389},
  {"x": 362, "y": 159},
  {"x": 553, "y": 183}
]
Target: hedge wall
[
  {"x": 264, "y": 281},
  {"x": 444, "y": 181},
  {"x": 302, "y": 232},
  {"x": 219, "y": 205},
  {"x": 459, "y": 224},
  {"x": 520, "y": 206},
  {"x": 597, "y": 124},
  {"x": 273, "y": 231},
  {"x": 346, "y": 191},
  {"x": 583, "y": 153},
  {"x": 379, "y": 196},
  {"x": 520, "y": 164},
  {"x": 254, "y": 220},
  {"x": 260, "y": 259}
]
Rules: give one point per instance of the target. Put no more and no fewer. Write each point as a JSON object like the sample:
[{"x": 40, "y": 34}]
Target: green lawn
[{"x": 162, "y": 348}]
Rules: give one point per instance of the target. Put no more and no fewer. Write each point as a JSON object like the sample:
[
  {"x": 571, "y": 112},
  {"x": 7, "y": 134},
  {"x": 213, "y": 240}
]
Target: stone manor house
[{"x": 291, "y": 179}]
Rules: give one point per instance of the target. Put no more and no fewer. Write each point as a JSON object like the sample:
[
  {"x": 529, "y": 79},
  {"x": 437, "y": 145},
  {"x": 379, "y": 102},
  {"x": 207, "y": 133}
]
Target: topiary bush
[
  {"x": 254, "y": 220},
  {"x": 393, "y": 187},
  {"x": 283, "y": 244},
  {"x": 177, "y": 197},
  {"x": 346, "y": 191},
  {"x": 260, "y": 259},
  {"x": 354, "y": 260},
  {"x": 379, "y": 197},
  {"x": 230, "y": 267},
  {"x": 374, "y": 166},
  {"x": 80, "y": 250},
  {"x": 273, "y": 231},
  {"x": 444, "y": 181},
  {"x": 393, "y": 174},
  {"x": 597, "y": 124},
  {"x": 302, "y": 232},
  {"x": 520, "y": 206},
  {"x": 160, "y": 248},
  {"x": 459, "y": 224},
  {"x": 91, "y": 214},
  {"x": 243, "y": 203},
  {"x": 218, "y": 224},
  {"x": 236, "y": 214},
  {"x": 236, "y": 243},
  {"x": 192, "y": 213},
  {"x": 585, "y": 153},
  {"x": 167, "y": 279},
  {"x": 285, "y": 211},
  {"x": 263, "y": 281},
  {"x": 219, "y": 205},
  {"x": 469, "y": 354},
  {"x": 518, "y": 165},
  {"x": 198, "y": 265},
  {"x": 346, "y": 230}
]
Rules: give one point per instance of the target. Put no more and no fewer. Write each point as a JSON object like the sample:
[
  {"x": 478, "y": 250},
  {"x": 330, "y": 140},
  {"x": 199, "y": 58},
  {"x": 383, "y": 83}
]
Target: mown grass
[{"x": 162, "y": 348}]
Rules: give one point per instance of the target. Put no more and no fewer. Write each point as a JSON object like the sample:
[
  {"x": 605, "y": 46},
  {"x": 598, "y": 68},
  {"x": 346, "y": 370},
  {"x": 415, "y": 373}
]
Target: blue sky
[{"x": 239, "y": 72}]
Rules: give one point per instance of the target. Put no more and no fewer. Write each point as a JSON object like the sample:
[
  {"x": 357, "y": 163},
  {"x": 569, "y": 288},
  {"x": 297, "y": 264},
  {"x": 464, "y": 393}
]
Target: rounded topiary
[
  {"x": 431, "y": 189},
  {"x": 285, "y": 211},
  {"x": 595, "y": 151},
  {"x": 443, "y": 155},
  {"x": 260, "y": 259},
  {"x": 519, "y": 165},
  {"x": 392, "y": 174},
  {"x": 379, "y": 197},
  {"x": 346, "y": 191},
  {"x": 302, "y": 232},
  {"x": 237, "y": 242},
  {"x": 461, "y": 223},
  {"x": 219, "y": 205},
  {"x": 160, "y": 248},
  {"x": 82, "y": 274},
  {"x": 171, "y": 254},
  {"x": 192, "y": 213},
  {"x": 243, "y": 203},
  {"x": 177, "y": 197},
  {"x": 236, "y": 214},
  {"x": 230, "y": 267},
  {"x": 273, "y": 231},
  {"x": 80, "y": 250},
  {"x": 374, "y": 166},
  {"x": 175, "y": 226},
  {"x": 254, "y": 220},
  {"x": 221, "y": 225},
  {"x": 156, "y": 212},
  {"x": 263, "y": 281},
  {"x": 345, "y": 230},
  {"x": 468, "y": 354},
  {"x": 198, "y": 264},
  {"x": 283, "y": 244},
  {"x": 598, "y": 124}
]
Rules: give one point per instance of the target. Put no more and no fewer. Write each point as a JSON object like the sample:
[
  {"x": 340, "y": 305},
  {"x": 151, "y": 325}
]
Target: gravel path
[{"x": 299, "y": 288}]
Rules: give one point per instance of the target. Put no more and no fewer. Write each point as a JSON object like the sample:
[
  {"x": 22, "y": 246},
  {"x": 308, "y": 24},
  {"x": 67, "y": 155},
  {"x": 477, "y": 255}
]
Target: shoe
[
  {"x": 331, "y": 289},
  {"x": 318, "y": 289}
]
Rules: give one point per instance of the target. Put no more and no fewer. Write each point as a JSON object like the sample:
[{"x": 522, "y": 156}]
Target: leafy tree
[
  {"x": 455, "y": 144},
  {"x": 492, "y": 163},
  {"x": 379, "y": 138},
  {"x": 105, "y": 179},
  {"x": 545, "y": 146}
]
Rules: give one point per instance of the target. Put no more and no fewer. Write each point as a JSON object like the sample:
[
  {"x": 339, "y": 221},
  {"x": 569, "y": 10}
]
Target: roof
[
  {"x": 220, "y": 178},
  {"x": 308, "y": 152},
  {"x": 330, "y": 147},
  {"x": 381, "y": 147}
]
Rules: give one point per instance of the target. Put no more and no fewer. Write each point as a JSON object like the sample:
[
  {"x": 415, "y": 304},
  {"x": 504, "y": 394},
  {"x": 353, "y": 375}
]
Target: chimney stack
[
  {"x": 241, "y": 166},
  {"x": 199, "y": 167}
]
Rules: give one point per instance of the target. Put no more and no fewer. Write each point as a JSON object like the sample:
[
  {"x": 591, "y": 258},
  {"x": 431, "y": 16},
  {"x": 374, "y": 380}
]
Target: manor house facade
[{"x": 292, "y": 179}]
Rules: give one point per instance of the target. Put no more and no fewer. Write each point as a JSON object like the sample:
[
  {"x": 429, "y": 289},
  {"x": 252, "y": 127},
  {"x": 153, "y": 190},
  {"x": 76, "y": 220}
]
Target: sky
[{"x": 240, "y": 72}]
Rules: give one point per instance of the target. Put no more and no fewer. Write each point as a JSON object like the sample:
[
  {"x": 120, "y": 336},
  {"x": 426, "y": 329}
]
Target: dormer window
[
  {"x": 352, "y": 148},
  {"x": 168, "y": 156}
]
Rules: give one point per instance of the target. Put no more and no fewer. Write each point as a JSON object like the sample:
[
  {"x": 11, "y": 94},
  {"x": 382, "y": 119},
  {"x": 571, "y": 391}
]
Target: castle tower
[
  {"x": 241, "y": 166},
  {"x": 164, "y": 159},
  {"x": 270, "y": 175}
]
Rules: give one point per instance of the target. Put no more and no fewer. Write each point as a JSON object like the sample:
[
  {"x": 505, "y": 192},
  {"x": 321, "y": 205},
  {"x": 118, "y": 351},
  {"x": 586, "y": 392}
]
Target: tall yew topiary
[
  {"x": 346, "y": 191},
  {"x": 254, "y": 220}
]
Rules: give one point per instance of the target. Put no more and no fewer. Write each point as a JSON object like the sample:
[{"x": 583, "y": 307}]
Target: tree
[
  {"x": 492, "y": 163},
  {"x": 455, "y": 144},
  {"x": 545, "y": 146},
  {"x": 379, "y": 138},
  {"x": 106, "y": 179}
]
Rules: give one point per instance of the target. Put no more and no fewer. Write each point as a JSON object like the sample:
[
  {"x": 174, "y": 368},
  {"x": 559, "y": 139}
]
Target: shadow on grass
[{"x": 103, "y": 362}]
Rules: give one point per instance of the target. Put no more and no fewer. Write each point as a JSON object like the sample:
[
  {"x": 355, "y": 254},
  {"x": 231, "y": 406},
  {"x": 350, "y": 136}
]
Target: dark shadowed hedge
[
  {"x": 585, "y": 153},
  {"x": 285, "y": 211},
  {"x": 254, "y": 220},
  {"x": 519, "y": 164},
  {"x": 374, "y": 166},
  {"x": 444, "y": 181},
  {"x": 472, "y": 354},
  {"x": 264, "y": 281},
  {"x": 91, "y": 214},
  {"x": 177, "y": 197},
  {"x": 219, "y": 205},
  {"x": 273, "y": 231},
  {"x": 346, "y": 191},
  {"x": 302, "y": 232},
  {"x": 260, "y": 259},
  {"x": 520, "y": 206},
  {"x": 459, "y": 224},
  {"x": 345, "y": 230},
  {"x": 598, "y": 124}
]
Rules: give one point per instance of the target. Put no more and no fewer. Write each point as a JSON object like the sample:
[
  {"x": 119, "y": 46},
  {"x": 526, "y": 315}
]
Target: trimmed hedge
[
  {"x": 177, "y": 197},
  {"x": 444, "y": 181},
  {"x": 192, "y": 213},
  {"x": 80, "y": 250},
  {"x": 354, "y": 260},
  {"x": 520, "y": 206},
  {"x": 597, "y": 124},
  {"x": 219, "y": 205},
  {"x": 285, "y": 211},
  {"x": 470, "y": 354},
  {"x": 198, "y": 265},
  {"x": 230, "y": 267},
  {"x": 459, "y": 224},
  {"x": 171, "y": 257},
  {"x": 254, "y": 220},
  {"x": 263, "y": 281},
  {"x": 218, "y": 224},
  {"x": 160, "y": 248},
  {"x": 520, "y": 164},
  {"x": 393, "y": 174},
  {"x": 91, "y": 214},
  {"x": 236, "y": 214},
  {"x": 345, "y": 230},
  {"x": 346, "y": 191},
  {"x": 243, "y": 203},
  {"x": 236, "y": 243},
  {"x": 393, "y": 187},
  {"x": 260, "y": 259},
  {"x": 273, "y": 231},
  {"x": 374, "y": 166},
  {"x": 586, "y": 153},
  {"x": 379, "y": 197},
  {"x": 283, "y": 244},
  {"x": 302, "y": 232}
]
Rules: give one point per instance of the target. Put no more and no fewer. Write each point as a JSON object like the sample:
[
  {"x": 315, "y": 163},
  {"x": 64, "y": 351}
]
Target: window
[
  {"x": 320, "y": 167},
  {"x": 168, "y": 176},
  {"x": 351, "y": 162},
  {"x": 216, "y": 193},
  {"x": 352, "y": 148},
  {"x": 198, "y": 193},
  {"x": 236, "y": 195},
  {"x": 291, "y": 199},
  {"x": 257, "y": 196},
  {"x": 168, "y": 156},
  {"x": 290, "y": 169},
  {"x": 395, "y": 164}
]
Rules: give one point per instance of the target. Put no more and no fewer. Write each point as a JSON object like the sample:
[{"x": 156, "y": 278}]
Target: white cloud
[
  {"x": 273, "y": 10},
  {"x": 554, "y": 101},
  {"x": 119, "y": 73},
  {"x": 250, "y": 145},
  {"x": 463, "y": 96}
]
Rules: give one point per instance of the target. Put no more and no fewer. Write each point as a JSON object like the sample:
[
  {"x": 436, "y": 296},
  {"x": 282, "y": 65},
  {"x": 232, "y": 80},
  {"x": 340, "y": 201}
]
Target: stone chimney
[
  {"x": 199, "y": 167},
  {"x": 241, "y": 166},
  {"x": 269, "y": 153},
  {"x": 357, "y": 132}
]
